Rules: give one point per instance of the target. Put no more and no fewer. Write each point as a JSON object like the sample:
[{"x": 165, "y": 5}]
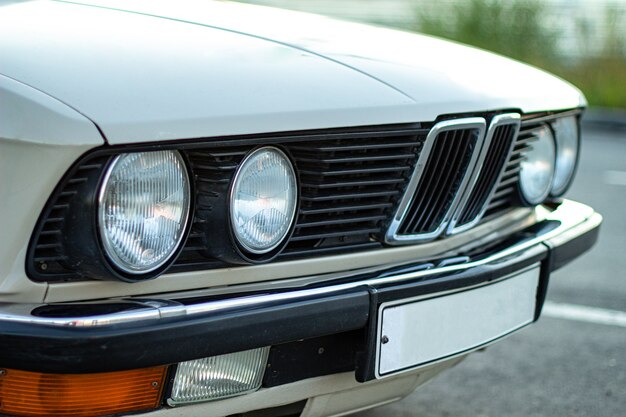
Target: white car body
[{"x": 78, "y": 76}]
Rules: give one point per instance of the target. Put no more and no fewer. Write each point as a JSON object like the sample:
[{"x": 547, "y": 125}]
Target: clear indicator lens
[
  {"x": 219, "y": 376},
  {"x": 263, "y": 201},
  {"x": 144, "y": 205},
  {"x": 566, "y": 132},
  {"x": 537, "y": 169}
]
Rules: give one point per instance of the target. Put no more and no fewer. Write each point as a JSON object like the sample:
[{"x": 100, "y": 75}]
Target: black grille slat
[
  {"x": 358, "y": 147},
  {"x": 352, "y": 183},
  {"x": 440, "y": 181},
  {"x": 353, "y": 159},
  {"x": 374, "y": 169},
  {"x": 502, "y": 192},
  {"x": 339, "y": 209},
  {"x": 363, "y": 194}
]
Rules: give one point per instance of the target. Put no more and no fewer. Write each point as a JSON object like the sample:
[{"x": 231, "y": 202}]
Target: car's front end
[{"x": 204, "y": 220}]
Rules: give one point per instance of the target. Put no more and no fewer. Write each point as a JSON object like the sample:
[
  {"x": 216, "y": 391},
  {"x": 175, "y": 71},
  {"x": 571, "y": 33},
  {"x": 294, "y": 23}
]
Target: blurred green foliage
[{"x": 516, "y": 28}]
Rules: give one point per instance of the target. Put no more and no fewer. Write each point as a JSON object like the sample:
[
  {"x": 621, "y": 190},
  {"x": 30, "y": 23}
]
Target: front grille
[
  {"x": 440, "y": 181},
  {"x": 357, "y": 187},
  {"x": 494, "y": 161}
]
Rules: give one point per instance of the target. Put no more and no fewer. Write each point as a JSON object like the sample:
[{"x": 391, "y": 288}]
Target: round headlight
[
  {"x": 566, "y": 132},
  {"x": 264, "y": 197},
  {"x": 537, "y": 169},
  {"x": 143, "y": 208}
]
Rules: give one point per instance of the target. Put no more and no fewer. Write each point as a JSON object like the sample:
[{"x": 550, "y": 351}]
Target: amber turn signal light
[{"x": 80, "y": 395}]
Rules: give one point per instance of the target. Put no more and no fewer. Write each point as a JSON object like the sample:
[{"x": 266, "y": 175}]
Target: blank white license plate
[{"x": 415, "y": 332}]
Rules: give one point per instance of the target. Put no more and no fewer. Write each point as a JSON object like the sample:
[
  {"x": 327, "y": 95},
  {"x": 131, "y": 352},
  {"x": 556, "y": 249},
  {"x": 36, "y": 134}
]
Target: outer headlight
[
  {"x": 264, "y": 197},
  {"x": 566, "y": 132},
  {"x": 143, "y": 207},
  {"x": 537, "y": 170}
]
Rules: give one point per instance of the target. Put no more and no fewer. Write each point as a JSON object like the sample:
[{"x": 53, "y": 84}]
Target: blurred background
[
  {"x": 583, "y": 41},
  {"x": 561, "y": 366}
]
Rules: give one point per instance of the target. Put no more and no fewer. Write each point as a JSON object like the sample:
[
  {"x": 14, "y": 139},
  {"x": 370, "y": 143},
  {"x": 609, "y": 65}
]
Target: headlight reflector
[
  {"x": 264, "y": 197},
  {"x": 566, "y": 132},
  {"x": 537, "y": 169},
  {"x": 143, "y": 208}
]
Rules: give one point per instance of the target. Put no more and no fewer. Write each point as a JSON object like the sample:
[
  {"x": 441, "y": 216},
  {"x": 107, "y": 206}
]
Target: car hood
[{"x": 157, "y": 71}]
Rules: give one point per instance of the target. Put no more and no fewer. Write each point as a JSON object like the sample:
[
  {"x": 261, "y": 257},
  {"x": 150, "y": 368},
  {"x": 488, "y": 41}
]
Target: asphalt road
[{"x": 557, "y": 367}]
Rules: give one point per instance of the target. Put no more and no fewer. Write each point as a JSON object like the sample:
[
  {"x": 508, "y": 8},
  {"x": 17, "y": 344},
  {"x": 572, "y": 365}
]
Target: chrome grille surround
[{"x": 393, "y": 235}]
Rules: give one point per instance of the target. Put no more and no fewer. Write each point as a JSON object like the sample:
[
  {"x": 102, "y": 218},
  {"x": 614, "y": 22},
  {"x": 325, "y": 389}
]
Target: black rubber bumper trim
[
  {"x": 112, "y": 348},
  {"x": 568, "y": 246}
]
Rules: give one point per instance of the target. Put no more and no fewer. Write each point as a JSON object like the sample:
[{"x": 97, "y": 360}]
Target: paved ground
[{"x": 556, "y": 367}]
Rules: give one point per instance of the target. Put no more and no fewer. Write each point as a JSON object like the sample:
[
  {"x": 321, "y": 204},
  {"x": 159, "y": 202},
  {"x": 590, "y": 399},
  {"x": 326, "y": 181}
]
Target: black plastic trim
[
  {"x": 87, "y": 350},
  {"x": 564, "y": 253}
]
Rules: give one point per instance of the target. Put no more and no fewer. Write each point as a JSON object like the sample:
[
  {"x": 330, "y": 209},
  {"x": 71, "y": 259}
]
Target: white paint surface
[{"x": 196, "y": 68}]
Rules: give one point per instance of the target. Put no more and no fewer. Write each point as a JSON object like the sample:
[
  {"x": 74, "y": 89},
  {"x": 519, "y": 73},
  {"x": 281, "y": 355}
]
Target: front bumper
[{"x": 60, "y": 338}]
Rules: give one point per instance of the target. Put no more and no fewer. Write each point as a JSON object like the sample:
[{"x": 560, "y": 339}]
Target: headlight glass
[
  {"x": 143, "y": 208},
  {"x": 263, "y": 200},
  {"x": 537, "y": 169},
  {"x": 566, "y": 132}
]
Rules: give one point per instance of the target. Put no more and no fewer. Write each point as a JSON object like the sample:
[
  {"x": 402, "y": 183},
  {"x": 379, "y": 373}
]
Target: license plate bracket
[{"x": 417, "y": 331}]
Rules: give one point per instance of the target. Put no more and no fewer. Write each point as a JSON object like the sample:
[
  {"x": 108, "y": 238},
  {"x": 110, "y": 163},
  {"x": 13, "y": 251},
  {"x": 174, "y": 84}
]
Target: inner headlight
[
  {"x": 143, "y": 209},
  {"x": 566, "y": 132},
  {"x": 537, "y": 169},
  {"x": 264, "y": 197}
]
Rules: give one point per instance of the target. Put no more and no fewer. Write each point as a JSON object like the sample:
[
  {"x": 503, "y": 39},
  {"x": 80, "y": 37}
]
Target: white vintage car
[{"x": 214, "y": 209}]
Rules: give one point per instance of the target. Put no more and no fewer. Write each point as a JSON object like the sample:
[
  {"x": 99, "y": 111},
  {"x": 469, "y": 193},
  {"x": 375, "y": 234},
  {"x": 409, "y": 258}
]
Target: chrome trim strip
[
  {"x": 550, "y": 117},
  {"x": 392, "y": 236},
  {"x": 574, "y": 218},
  {"x": 497, "y": 121}
]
